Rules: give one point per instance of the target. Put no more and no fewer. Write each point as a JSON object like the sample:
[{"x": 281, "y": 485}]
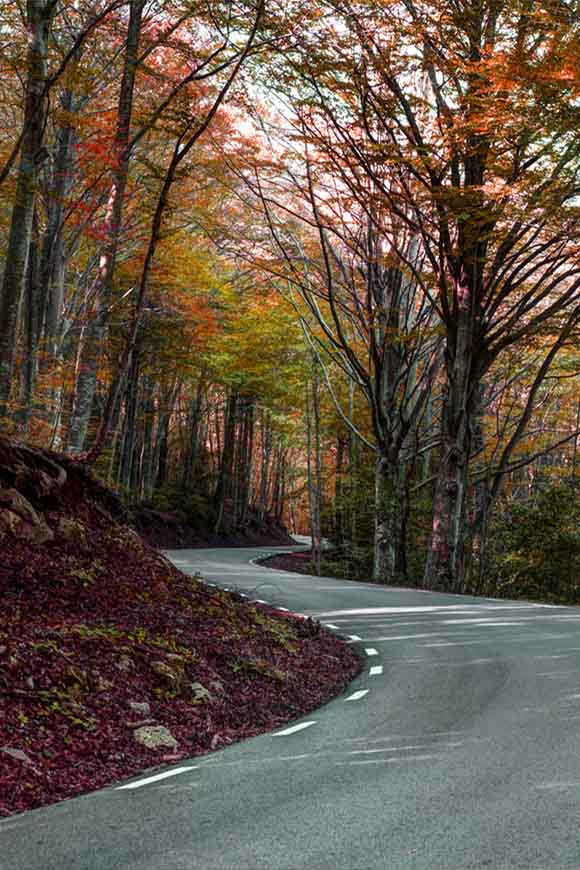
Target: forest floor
[
  {"x": 111, "y": 660},
  {"x": 300, "y": 562},
  {"x": 169, "y": 530}
]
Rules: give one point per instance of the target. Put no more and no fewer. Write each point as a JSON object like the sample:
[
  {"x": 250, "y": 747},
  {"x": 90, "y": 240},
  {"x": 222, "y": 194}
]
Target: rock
[
  {"x": 17, "y": 754},
  {"x": 155, "y": 737},
  {"x": 102, "y": 685},
  {"x": 44, "y": 483},
  {"x": 200, "y": 693},
  {"x": 125, "y": 663},
  {"x": 19, "y": 519},
  {"x": 143, "y": 708},
  {"x": 171, "y": 676},
  {"x": 134, "y": 539},
  {"x": 72, "y": 532}
]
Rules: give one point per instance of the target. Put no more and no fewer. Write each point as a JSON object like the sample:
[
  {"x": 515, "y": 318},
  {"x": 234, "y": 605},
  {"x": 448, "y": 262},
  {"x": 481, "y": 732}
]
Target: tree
[{"x": 462, "y": 123}]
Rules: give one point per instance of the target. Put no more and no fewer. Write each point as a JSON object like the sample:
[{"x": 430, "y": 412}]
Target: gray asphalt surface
[{"x": 464, "y": 753}]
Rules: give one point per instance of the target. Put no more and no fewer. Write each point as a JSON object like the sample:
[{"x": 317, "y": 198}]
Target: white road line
[
  {"x": 158, "y": 776},
  {"x": 293, "y": 729},
  {"x": 354, "y": 637},
  {"x": 357, "y": 695},
  {"x": 376, "y": 670},
  {"x": 330, "y": 625},
  {"x": 285, "y": 609},
  {"x": 260, "y": 601},
  {"x": 371, "y": 651}
]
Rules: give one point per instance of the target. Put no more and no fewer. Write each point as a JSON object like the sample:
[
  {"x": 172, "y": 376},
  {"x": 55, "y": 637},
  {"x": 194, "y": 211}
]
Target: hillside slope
[{"x": 111, "y": 660}]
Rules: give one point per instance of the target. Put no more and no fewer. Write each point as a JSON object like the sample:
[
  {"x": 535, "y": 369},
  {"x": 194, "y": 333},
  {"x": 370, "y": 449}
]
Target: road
[{"x": 458, "y": 747}]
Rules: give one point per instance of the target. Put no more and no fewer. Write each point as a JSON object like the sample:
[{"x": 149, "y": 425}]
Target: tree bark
[
  {"x": 38, "y": 23},
  {"x": 445, "y": 567},
  {"x": 96, "y": 327},
  {"x": 391, "y": 501},
  {"x": 224, "y": 482}
]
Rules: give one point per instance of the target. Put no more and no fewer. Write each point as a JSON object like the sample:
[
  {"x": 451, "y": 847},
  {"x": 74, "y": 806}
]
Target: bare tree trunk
[
  {"x": 146, "y": 482},
  {"x": 194, "y": 421},
  {"x": 445, "y": 568},
  {"x": 313, "y": 470},
  {"x": 265, "y": 460},
  {"x": 391, "y": 503},
  {"x": 52, "y": 263},
  {"x": 38, "y": 23},
  {"x": 166, "y": 403},
  {"x": 131, "y": 399},
  {"x": 32, "y": 322},
  {"x": 224, "y": 483}
]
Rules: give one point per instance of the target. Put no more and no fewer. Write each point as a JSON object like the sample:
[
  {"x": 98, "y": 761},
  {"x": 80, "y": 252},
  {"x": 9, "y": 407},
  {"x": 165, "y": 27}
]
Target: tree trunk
[
  {"x": 128, "y": 450},
  {"x": 38, "y": 22},
  {"x": 52, "y": 258},
  {"x": 313, "y": 465},
  {"x": 446, "y": 560},
  {"x": 32, "y": 321},
  {"x": 265, "y": 462},
  {"x": 96, "y": 327},
  {"x": 389, "y": 558},
  {"x": 224, "y": 483}
]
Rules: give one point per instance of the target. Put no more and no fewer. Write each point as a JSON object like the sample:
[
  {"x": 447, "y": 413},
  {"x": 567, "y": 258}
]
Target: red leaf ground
[{"x": 88, "y": 626}]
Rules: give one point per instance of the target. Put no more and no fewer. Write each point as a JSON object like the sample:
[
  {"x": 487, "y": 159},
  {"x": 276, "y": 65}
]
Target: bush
[{"x": 534, "y": 547}]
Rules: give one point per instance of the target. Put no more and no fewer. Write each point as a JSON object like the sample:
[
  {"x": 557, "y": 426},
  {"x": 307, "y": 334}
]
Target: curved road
[{"x": 458, "y": 747}]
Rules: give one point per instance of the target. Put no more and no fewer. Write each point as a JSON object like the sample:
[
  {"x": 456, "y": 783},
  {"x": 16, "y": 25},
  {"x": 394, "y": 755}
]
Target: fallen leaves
[{"x": 95, "y": 645}]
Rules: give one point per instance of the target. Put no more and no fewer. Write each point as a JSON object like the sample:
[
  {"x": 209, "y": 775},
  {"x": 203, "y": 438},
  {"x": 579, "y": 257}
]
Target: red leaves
[{"x": 84, "y": 634}]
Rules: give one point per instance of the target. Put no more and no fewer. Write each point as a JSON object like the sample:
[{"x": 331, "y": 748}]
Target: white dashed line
[
  {"x": 293, "y": 729},
  {"x": 371, "y": 651},
  {"x": 285, "y": 609},
  {"x": 156, "y": 778},
  {"x": 376, "y": 670},
  {"x": 330, "y": 625},
  {"x": 354, "y": 637},
  {"x": 260, "y": 601},
  {"x": 357, "y": 695}
]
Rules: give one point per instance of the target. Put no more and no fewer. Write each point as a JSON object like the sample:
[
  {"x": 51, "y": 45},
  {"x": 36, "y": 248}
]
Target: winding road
[{"x": 457, "y": 747}]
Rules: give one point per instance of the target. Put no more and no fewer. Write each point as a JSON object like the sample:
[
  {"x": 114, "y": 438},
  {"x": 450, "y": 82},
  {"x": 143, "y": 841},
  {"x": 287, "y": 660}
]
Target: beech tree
[{"x": 467, "y": 116}]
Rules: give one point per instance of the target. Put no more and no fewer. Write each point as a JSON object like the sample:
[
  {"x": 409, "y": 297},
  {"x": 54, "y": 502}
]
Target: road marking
[
  {"x": 402, "y": 760},
  {"x": 358, "y": 695},
  {"x": 388, "y": 749},
  {"x": 156, "y": 778},
  {"x": 376, "y": 670},
  {"x": 285, "y": 609},
  {"x": 331, "y": 625},
  {"x": 293, "y": 729},
  {"x": 260, "y": 601},
  {"x": 354, "y": 637},
  {"x": 371, "y": 651},
  {"x": 464, "y": 609}
]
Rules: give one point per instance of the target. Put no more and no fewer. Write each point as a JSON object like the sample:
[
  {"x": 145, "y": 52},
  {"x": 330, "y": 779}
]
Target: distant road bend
[{"x": 457, "y": 748}]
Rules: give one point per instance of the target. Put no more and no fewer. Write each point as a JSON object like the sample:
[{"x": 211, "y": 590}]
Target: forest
[{"x": 314, "y": 260}]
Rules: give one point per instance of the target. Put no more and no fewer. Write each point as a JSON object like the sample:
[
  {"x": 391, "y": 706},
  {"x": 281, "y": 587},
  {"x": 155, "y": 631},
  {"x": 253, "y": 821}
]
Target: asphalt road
[{"x": 460, "y": 749}]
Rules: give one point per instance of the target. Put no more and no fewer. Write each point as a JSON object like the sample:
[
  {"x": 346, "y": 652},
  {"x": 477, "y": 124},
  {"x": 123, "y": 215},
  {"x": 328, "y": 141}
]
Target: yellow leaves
[{"x": 259, "y": 347}]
